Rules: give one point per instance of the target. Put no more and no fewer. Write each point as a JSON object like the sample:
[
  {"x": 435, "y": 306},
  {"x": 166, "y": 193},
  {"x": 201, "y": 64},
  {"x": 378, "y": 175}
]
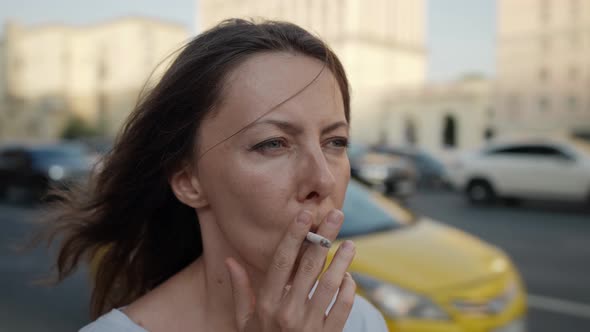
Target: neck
[
  {"x": 200, "y": 294},
  {"x": 210, "y": 271}
]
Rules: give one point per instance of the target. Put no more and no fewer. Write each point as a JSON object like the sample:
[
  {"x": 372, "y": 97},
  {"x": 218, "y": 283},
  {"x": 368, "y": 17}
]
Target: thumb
[{"x": 243, "y": 295}]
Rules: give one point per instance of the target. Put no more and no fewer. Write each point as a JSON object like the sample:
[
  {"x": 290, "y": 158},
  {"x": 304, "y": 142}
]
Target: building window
[
  {"x": 544, "y": 104},
  {"x": 572, "y": 103},
  {"x": 283, "y": 11},
  {"x": 33, "y": 127},
  {"x": 544, "y": 10},
  {"x": 101, "y": 70},
  {"x": 543, "y": 75},
  {"x": 17, "y": 63},
  {"x": 103, "y": 114},
  {"x": 149, "y": 47},
  {"x": 65, "y": 58},
  {"x": 545, "y": 44},
  {"x": 489, "y": 133},
  {"x": 307, "y": 12},
  {"x": 410, "y": 134},
  {"x": 341, "y": 18},
  {"x": 491, "y": 112},
  {"x": 16, "y": 106},
  {"x": 513, "y": 105},
  {"x": 574, "y": 40},
  {"x": 325, "y": 19},
  {"x": 449, "y": 132},
  {"x": 575, "y": 8},
  {"x": 573, "y": 73}
]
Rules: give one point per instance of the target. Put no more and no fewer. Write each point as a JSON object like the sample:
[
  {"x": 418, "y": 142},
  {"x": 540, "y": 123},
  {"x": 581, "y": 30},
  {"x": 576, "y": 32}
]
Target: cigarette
[{"x": 318, "y": 239}]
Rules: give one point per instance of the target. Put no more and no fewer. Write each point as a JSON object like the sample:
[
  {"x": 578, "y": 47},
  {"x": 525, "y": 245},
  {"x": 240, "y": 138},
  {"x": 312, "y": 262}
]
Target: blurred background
[{"x": 473, "y": 113}]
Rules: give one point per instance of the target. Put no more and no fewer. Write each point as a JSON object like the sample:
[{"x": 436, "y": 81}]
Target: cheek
[
  {"x": 249, "y": 202},
  {"x": 259, "y": 186},
  {"x": 345, "y": 169},
  {"x": 253, "y": 201},
  {"x": 341, "y": 173}
]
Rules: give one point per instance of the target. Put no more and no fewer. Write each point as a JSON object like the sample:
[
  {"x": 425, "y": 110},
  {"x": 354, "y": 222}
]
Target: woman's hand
[{"x": 273, "y": 308}]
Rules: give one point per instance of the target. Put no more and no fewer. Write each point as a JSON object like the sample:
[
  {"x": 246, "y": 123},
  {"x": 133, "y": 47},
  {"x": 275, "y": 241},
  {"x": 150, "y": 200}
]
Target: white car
[{"x": 547, "y": 168}]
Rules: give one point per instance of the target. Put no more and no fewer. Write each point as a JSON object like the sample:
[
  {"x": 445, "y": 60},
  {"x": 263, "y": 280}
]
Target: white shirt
[{"x": 364, "y": 317}]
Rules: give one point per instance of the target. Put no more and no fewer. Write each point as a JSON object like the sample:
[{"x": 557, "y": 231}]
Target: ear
[{"x": 187, "y": 188}]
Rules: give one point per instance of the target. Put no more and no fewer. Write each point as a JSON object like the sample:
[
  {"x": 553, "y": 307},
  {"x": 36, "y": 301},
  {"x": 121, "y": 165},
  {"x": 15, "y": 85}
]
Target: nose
[{"x": 315, "y": 177}]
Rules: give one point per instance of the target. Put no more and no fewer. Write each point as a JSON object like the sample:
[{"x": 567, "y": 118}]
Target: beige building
[
  {"x": 94, "y": 71},
  {"x": 380, "y": 42},
  {"x": 543, "y": 66},
  {"x": 440, "y": 118},
  {"x": 2, "y": 90}
]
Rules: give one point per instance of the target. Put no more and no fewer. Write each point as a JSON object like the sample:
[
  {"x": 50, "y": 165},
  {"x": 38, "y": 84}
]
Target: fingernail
[
  {"x": 304, "y": 217},
  {"x": 348, "y": 245},
  {"x": 335, "y": 217}
]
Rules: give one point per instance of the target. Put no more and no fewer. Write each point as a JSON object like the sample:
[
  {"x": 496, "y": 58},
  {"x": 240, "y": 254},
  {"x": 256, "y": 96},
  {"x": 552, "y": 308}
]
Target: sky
[{"x": 461, "y": 33}]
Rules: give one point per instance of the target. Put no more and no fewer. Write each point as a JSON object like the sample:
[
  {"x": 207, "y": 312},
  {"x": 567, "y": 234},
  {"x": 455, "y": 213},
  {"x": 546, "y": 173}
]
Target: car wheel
[{"x": 480, "y": 192}]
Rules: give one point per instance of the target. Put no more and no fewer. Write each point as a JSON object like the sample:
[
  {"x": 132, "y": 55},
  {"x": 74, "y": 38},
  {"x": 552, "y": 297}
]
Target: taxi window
[{"x": 363, "y": 215}]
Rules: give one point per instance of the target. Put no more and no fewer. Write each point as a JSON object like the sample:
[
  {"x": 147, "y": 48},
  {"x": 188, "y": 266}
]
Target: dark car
[
  {"x": 27, "y": 171},
  {"x": 388, "y": 174},
  {"x": 431, "y": 172}
]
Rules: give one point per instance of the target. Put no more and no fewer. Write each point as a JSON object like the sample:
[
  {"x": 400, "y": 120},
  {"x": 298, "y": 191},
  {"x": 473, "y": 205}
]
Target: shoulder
[
  {"x": 364, "y": 317},
  {"x": 114, "y": 321}
]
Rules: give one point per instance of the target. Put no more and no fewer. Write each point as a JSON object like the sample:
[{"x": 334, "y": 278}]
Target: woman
[{"x": 204, "y": 203}]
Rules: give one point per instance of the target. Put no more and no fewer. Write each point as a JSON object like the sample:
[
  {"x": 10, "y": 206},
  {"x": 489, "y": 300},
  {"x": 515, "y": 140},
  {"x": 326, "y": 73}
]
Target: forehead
[
  {"x": 269, "y": 78},
  {"x": 265, "y": 81}
]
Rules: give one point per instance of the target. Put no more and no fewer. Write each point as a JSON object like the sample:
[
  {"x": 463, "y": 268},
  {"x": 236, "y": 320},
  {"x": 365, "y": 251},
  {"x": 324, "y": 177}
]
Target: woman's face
[{"x": 290, "y": 159}]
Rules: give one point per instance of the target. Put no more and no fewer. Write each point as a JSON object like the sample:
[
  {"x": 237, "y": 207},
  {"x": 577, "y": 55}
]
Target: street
[
  {"x": 548, "y": 242},
  {"x": 25, "y": 305}
]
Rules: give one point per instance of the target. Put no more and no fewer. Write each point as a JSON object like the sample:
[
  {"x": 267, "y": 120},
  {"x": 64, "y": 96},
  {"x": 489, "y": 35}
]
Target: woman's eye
[
  {"x": 269, "y": 145},
  {"x": 340, "y": 142},
  {"x": 276, "y": 144}
]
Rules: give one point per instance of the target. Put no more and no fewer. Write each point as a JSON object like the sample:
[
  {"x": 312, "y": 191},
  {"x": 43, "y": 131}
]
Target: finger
[
  {"x": 313, "y": 260},
  {"x": 332, "y": 279},
  {"x": 284, "y": 259},
  {"x": 342, "y": 307},
  {"x": 244, "y": 301}
]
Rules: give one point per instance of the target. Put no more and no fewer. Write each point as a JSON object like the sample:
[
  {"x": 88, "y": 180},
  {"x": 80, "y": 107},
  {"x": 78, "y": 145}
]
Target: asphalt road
[
  {"x": 550, "y": 244},
  {"x": 24, "y": 304}
]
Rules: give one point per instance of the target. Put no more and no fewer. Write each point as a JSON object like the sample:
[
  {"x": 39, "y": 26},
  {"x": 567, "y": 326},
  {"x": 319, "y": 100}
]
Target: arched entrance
[
  {"x": 410, "y": 134},
  {"x": 449, "y": 133},
  {"x": 489, "y": 133}
]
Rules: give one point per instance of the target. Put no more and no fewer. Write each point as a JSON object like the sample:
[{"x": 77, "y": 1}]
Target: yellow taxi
[{"x": 427, "y": 276}]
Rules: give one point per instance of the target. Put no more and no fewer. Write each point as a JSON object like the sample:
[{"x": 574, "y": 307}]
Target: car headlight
[
  {"x": 398, "y": 303},
  {"x": 491, "y": 306},
  {"x": 56, "y": 172},
  {"x": 375, "y": 172}
]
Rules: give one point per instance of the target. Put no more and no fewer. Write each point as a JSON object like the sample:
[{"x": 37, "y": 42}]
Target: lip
[
  {"x": 317, "y": 221},
  {"x": 319, "y": 215}
]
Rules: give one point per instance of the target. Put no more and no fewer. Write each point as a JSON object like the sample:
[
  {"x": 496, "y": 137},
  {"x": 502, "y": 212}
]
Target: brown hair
[{"x": 128, "y": 216}]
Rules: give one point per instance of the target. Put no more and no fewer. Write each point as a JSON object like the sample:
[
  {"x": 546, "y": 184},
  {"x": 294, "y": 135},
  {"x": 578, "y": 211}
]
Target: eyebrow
[{"x": 296, "y": 130}]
